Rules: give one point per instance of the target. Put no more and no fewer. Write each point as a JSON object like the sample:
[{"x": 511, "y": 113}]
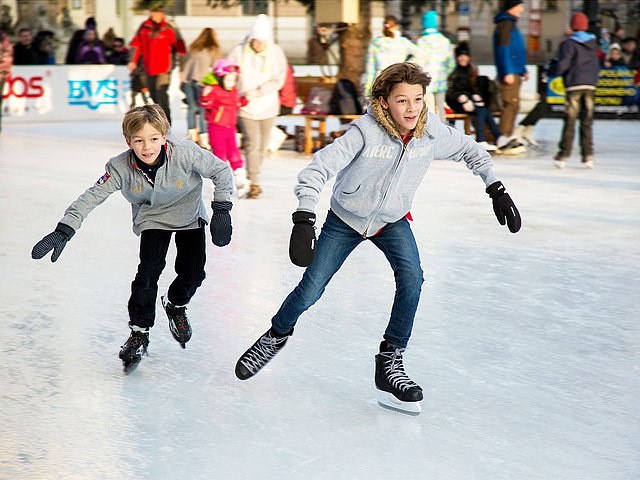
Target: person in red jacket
[
  {"x": 221, "y": 102},
  {"x": 155, "y": 41}
]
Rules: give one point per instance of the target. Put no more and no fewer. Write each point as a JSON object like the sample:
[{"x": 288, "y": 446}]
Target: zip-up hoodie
[
  {"x": 172, "y": 201},
  {"x": 509, "y": 51},
  {"x": 377, "y": 174},
  {"x": 577, "y": 62}
]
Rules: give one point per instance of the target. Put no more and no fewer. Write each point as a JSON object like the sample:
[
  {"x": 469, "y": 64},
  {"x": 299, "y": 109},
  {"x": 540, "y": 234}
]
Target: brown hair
[
  {"x": 136, "y": 118},
  {"x": 207, "y": 40},
  {"x": 389, "y": 22},
  {"x": 404, "y": 72}
]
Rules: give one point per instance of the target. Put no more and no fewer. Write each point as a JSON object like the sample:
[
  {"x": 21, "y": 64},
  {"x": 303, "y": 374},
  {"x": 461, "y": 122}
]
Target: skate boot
[
  {"x": 178, "y": 321},
  {"x": 134, "y": 348},
  {"x": 259, "y": 354},
  {"x": 396, "y": 391}
]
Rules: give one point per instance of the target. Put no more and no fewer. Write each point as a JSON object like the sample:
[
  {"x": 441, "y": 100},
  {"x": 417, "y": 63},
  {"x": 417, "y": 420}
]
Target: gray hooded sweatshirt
[
  {"x": 377, "y": 175},
  {"x": 174, "y": 200}
]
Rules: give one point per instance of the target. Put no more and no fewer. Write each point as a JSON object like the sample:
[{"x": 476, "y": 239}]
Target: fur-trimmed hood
[{"x": 383, "y": 117}]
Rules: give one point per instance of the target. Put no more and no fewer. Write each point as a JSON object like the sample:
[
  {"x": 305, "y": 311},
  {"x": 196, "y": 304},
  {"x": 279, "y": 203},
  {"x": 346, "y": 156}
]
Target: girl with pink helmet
[{"x": 221, "y": 102}]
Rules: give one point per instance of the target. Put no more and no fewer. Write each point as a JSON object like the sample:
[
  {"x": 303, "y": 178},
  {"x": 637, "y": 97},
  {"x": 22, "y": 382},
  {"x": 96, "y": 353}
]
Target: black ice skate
[
  {"x": 134, "y": 348},
  {"x": 259, "y": 354},
  {"x": 396, "y": 391},
  {"x": 178, "y": 321}
]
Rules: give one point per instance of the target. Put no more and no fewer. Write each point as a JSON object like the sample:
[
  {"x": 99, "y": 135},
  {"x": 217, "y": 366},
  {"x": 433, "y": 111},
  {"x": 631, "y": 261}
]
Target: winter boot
[
  {"x": 260, "y": 354},
  {"x": 203, "y": 141},
  {"x": 192, "y": 134},
  {"x": 396, "y": 390},
  {"x": 178, "y": 321},
  {"x": 135, "y": 347},
  {"x": 527, "y": 135},
  {"x": 254, "y": 191}
]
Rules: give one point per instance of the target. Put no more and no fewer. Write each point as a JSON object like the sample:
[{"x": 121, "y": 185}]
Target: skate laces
[
  {"x": 263, "y": 351},
  {"x": 138, "y": 338},
  {"x": 179, "y": 317},
  {"x": 394, "y": 370}
]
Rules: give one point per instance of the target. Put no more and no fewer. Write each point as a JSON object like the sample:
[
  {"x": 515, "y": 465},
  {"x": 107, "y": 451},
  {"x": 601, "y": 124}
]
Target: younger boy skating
[{"x": 162, "y": 179}]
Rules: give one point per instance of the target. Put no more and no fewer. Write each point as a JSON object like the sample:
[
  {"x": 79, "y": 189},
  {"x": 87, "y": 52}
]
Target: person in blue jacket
[
  {"x": 379, "y": 164},
  {"x": 510, "y": 56},
  {"x": 577, "y": 61}
]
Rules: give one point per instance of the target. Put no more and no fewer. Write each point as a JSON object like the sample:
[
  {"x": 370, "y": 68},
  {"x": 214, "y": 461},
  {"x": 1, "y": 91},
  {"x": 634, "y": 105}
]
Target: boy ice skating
[
  {"x": 162, "y": 179},
  {"x": 379, "y": 163}
]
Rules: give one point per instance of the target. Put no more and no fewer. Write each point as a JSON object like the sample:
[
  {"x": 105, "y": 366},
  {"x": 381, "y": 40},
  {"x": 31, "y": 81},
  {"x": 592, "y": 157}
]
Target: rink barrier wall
[{"x": 57, "y": 93}]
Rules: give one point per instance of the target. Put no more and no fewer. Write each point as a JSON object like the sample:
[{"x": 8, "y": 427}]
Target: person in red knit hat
[{"x": 578, "y": 64}]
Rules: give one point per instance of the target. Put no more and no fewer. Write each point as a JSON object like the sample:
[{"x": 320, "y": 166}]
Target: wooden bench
[{"x": 317, "y": 124}]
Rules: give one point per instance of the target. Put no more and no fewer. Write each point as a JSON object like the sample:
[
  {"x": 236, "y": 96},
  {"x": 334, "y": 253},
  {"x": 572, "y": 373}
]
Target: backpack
[
  {"x": 317, "y": 102},
  {"x": 344, "y": 99}
]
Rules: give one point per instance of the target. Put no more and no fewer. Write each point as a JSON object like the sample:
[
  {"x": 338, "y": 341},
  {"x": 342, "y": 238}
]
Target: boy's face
[
  {"x": 146, "y": 144},
  {"x": 404, "y": 104}
]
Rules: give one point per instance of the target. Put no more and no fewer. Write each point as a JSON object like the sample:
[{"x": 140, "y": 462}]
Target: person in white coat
[{"x": 263, "y": 68}]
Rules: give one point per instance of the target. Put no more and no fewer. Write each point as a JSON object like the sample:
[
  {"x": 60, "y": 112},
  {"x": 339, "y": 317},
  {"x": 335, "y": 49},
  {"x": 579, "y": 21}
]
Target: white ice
[{"x": 527, "y": 346}]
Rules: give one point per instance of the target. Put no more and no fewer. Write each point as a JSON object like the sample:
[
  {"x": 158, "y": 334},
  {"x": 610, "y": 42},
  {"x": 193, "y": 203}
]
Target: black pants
[
  {"x": 158, "y": 86},
  {"x": 190, "y": 260}
]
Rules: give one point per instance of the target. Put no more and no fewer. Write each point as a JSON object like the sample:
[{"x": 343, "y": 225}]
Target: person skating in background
[
  {"x": 577, "y": 62},
  {"x": 139, "y": 85},
  {"x": 201, "y": 56},
  {"x": 378, "y": 163},
  {"x": 221, "y": 102},
  {"x": 6, "y": 65},
  {"x": 155, "y": 41},
  {"x": 436, "y": 58},
  {"x": 264, "y": 69},
  {"x": 510, "y": 57},
  {"x": 162, "y": 179},
  {"x": 465, "y": 96},
  {"x": 389, "y": 48}
]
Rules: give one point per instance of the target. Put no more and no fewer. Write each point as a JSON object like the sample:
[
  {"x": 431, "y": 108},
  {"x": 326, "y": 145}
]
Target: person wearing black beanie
[{"x": 509, "y": 4}]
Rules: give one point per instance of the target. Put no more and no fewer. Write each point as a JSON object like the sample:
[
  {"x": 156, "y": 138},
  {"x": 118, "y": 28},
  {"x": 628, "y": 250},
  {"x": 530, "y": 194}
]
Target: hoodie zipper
[{"x": 386, "y": 190}]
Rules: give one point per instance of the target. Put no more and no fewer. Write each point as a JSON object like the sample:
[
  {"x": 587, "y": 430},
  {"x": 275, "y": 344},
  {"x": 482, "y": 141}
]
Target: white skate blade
[{"x": 387, "y": 400}]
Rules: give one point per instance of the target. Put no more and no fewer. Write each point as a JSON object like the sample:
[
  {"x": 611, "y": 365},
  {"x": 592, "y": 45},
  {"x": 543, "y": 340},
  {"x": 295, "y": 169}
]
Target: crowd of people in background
[{"x": 157, "y": 47}]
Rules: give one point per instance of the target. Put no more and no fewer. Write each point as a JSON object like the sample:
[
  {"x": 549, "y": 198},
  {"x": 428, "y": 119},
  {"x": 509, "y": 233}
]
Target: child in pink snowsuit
[{"x": 221, "y": 102}]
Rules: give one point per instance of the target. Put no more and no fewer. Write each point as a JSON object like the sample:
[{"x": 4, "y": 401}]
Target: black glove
[
  {"x": 55, "y": 241},
  {"x": 221, "y": 223},
  {"x": 302, "y": 245},
  {"x": 503, "y": 207}
]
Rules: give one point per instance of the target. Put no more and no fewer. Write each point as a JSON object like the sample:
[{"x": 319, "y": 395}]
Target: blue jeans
[
  {"x": 194, "y": 111},
  {"x": 337, "y": 240},
  {"x": 482, "y": 116}
]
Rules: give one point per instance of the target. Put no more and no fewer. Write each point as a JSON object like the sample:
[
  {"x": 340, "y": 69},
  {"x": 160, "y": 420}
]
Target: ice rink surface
[{"x": 527, "y": 346}]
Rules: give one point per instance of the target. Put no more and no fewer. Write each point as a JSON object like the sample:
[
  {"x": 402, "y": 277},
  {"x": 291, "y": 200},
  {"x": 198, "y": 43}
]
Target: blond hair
[
  {"x": 404, "y": 72},
  {"x": 136, "y": 118}
]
